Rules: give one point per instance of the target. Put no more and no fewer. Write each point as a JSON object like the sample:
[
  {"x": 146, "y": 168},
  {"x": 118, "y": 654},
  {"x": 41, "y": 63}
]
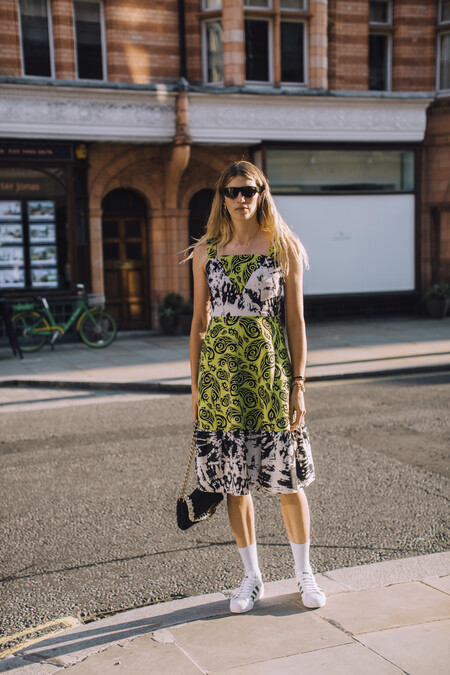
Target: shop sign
[
  {"x": 42, "y": 152},
  {"x": 21, "y": 188}
]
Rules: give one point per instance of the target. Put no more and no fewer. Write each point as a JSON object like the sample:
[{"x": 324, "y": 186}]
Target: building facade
[{"x": 117, "y": 117}]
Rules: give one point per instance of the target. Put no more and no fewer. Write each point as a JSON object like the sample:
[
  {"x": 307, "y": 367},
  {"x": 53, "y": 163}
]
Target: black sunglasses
[{"x": 248, "y": 191}]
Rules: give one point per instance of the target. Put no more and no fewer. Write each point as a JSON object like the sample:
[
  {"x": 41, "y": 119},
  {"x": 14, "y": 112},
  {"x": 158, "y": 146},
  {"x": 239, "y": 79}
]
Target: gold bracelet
[{"x": 300, "y": 384}]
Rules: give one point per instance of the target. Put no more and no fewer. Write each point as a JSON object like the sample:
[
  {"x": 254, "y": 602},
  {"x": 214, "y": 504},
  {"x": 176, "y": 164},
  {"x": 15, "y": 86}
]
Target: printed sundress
[{"x": 243, "y": 438}]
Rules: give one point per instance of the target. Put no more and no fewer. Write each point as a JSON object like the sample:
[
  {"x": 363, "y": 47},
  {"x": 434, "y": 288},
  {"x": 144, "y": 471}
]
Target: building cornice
[
  {"x": 90, "y": 114},
  {"x": 148, "y": 115},
  {"x": 237, "y": 119}
]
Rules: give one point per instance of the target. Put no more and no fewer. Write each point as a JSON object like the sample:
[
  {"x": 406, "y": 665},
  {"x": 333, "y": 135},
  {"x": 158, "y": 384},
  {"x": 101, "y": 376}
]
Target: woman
[{"x": 247, "y": 394}]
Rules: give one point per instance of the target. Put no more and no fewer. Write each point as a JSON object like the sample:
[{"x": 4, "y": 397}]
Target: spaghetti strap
[{"x": 211, "y": 246}]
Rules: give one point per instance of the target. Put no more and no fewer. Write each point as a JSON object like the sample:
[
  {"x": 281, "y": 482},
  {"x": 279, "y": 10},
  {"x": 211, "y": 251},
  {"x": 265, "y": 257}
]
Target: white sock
[
  {"x": 249, "y": 557},
  {"x": 301, "y": 557}
]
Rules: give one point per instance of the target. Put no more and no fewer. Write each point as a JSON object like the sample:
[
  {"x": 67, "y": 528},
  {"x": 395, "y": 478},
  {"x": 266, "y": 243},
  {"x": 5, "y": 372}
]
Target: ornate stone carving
[
  {"x": 237, "y": 118},
  {"x": 49, "y": 112}
]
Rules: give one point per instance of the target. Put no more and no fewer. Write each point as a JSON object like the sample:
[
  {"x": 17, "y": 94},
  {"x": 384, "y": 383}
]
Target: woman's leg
[
  {"x": 295, "y": 511},
  {"x": 242, "y": 521}
]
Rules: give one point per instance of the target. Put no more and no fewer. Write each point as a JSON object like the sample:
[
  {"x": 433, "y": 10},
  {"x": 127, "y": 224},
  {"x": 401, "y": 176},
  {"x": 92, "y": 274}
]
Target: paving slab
[
  {"x": 423, "y": 649},
  {"x": 139, "y": 657},
  {"x": 382, "y": 608},
  {"x": 392, "y": 571},
  {"x": 349, "y": 659},
  {"x": 441, "y": 583},
  {"x": 276, "y": 628}
]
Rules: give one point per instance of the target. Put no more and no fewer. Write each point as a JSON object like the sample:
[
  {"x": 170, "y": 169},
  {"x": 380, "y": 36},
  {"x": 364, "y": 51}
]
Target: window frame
[
  {"x": 441, "y": 22},
  {"x": 250, "y": 8},
  {"x": 205, "y": 53},
  {"x": 50, "y": 43},
  {"x": 383, "y": 28},
  {"x": 211, "y": 9},
  {"x": 304, "y": 84},
  {"x": 270, "y": 48},
  {"x": 389, "y": 19},
  {"x": 103, "y": 40},
  {"x": 438, "y": 60},
  {"x": 389, "y": 59},
  {"x": 294, "y": 9}
]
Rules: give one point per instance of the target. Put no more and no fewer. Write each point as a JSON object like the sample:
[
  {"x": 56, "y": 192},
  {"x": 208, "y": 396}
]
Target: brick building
[{"x": 117, "y": 117}]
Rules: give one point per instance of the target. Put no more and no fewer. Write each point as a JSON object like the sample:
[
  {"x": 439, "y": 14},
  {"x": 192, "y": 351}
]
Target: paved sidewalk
[
  {"x": 352, "y": 348},
  {"x": 386, "y": 618}
]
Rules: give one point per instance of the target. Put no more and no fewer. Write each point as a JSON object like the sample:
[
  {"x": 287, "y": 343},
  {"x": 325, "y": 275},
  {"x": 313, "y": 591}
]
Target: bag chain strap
[{"x": 191, "y": 457}]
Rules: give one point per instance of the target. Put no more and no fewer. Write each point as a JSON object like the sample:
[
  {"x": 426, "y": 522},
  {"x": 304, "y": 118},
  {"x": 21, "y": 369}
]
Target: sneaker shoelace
[
  {"x": 246, "y": 587},
  {"x": 308, "y": 582}
]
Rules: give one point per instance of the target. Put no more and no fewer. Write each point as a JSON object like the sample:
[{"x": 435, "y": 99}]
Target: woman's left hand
[{"x": 297, "y": 410}]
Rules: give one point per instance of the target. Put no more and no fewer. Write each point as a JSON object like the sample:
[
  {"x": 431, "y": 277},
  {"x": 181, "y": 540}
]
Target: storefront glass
[
  {"x": 334, "y": 171},
  {"x": 33, "y": 214}
]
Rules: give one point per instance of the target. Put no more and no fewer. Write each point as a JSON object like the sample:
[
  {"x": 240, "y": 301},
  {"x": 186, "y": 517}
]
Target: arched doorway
[
  {"x": 125, "y": 256},
  {"x": 199, "y": 208}
]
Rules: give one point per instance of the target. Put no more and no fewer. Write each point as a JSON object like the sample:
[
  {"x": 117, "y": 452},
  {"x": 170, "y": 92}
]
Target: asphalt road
[{"x": 88, "y": 484}]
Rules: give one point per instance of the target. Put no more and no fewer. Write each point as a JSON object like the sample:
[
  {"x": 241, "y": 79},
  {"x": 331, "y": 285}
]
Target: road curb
[{"x": 162, "y": 387}]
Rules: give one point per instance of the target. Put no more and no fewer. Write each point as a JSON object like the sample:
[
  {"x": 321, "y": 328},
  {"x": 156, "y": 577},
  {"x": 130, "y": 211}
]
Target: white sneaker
[
  {"x": 251, "y": 590},
  {"x": 312, "y": 595}
]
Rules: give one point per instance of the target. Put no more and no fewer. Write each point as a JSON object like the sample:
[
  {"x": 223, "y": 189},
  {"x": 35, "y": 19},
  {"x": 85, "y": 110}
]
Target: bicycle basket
[{"x": 96, "y": 299}]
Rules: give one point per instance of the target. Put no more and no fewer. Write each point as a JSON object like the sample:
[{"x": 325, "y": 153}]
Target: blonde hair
[{"x": 220, "y": 229}]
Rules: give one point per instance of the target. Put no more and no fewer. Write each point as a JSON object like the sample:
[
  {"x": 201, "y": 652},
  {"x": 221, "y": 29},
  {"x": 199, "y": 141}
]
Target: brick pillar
[
  {"x": 96, "y": 250},
  {"x": 168, "y": 237},
  {"x": 10, "y": 54},
  {"x": 233, "y": 43},
  {"x": 348, "y": 45},
  {"x": 415, "y": 34},
  {"x": 63, "y": 39},
  {"x": 318, "y": 44}
]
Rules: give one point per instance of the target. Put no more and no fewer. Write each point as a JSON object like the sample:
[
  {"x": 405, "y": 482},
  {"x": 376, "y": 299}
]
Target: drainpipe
[
  {"x": 181, "y": 148},
  {"x": 182, "y": 39}
]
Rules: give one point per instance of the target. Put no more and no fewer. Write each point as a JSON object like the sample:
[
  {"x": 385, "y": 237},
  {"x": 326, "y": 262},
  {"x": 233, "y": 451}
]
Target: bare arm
[
  {"x": 200, "y": 319},
  {"x": 296, "y": 334}
]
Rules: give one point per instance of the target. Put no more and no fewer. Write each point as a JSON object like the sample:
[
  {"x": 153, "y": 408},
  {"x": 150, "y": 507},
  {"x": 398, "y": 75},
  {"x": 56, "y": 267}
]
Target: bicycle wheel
[
  {"x": 98, "y": 328},
  {"x": 26, "y": 322}
]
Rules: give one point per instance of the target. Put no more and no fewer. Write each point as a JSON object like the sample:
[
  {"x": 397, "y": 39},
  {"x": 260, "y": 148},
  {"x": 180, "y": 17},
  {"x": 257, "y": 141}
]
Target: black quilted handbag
[{"x": 198, "y": 505}]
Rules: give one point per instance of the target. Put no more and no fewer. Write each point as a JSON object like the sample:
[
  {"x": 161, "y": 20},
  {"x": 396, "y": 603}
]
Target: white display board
[{"x": 355, "y": 243}]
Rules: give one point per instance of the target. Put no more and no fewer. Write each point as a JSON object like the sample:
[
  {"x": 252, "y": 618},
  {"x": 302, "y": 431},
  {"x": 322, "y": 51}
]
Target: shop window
[
  {"x": 89, "y": 40},
  {"x": 213, "y": 48},
  {"x": 33, "y": 217},
  {"x": 340, "y": 171},
  {"x": 443, "y": 68},
  {"x": 380, "y": 15},
  {"x": 35, "y": 30}
]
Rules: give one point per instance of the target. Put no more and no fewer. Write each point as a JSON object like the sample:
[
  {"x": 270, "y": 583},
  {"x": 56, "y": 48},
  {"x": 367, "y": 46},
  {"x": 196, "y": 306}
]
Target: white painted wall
[{"x": 355, "y": 243}]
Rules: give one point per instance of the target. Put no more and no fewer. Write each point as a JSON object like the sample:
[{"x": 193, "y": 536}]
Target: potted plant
[
  {"x": 186, "y": 317},
  {"x": 437, "y": 300},
  {"x": 168, "y": 313}
]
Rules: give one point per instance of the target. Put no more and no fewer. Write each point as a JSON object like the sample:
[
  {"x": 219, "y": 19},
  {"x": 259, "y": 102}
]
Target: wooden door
[{"x": 125, "y": 270}]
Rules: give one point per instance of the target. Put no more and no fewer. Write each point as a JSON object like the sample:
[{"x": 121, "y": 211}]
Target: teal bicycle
[{"x": 33, "y": 325}]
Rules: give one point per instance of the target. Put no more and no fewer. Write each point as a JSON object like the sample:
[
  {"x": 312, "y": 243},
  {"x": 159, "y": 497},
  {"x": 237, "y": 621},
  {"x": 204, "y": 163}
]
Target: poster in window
[
  {"x": 41, "y": 211},
  {"x": 43, "y": 255},
  {"x": 44, "y": 276},
  {"x": 12, "y": 277},
  {"x": 11, "y": 255},
  {"x": 41, "y": 233},
  {"x": 10, "y": 211},
  {"x": 11, "y": 233}
]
